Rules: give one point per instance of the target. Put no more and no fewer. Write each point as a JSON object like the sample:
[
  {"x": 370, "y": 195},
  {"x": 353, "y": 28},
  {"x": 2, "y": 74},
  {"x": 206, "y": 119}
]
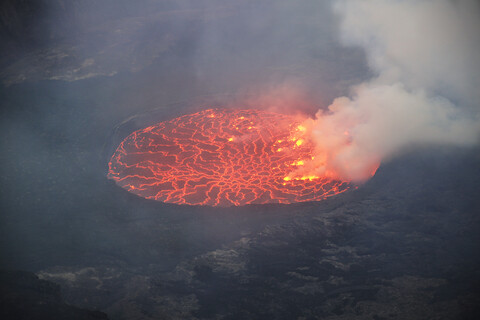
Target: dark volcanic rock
[
  {"x": 382, "y": 252},
  {"x": 24, "y": 296}
]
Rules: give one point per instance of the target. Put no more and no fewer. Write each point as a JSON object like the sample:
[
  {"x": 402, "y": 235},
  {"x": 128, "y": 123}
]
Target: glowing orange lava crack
[{"x": 220, "y": 157}]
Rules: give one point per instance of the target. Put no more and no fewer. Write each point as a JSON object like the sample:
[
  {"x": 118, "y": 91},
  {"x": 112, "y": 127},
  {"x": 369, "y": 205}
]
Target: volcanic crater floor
[{"x": 389, "y": 250}]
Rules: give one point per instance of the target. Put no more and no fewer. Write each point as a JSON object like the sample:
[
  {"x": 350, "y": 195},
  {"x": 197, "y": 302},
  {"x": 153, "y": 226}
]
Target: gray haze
[
  {"x": 247, "y": 48},
  {"x": 424, "y": 55}
]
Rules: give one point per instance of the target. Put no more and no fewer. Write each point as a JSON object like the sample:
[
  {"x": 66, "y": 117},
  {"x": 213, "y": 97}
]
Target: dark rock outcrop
[{"x": 24, "y": 296}]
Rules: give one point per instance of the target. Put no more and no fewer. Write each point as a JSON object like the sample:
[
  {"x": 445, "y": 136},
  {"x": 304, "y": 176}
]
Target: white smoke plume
[{"x": 426, "y": 89}]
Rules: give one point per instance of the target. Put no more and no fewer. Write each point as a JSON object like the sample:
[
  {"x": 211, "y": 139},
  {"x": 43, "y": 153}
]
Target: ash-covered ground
[{"x": 74, "y": 245}]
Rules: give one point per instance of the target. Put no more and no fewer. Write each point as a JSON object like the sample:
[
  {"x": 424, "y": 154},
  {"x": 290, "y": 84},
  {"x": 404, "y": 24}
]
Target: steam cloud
[{"x": 425, "y": 90}]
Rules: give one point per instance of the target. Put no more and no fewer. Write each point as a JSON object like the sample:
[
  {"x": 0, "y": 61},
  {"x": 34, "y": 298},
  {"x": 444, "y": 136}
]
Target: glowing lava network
[{"x": 220, "y": 157}]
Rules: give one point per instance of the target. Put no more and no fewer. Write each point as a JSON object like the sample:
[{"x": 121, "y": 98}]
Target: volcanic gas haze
[
  {"x": 221, "y": 157},
  {"x": 425, "y": 92}
]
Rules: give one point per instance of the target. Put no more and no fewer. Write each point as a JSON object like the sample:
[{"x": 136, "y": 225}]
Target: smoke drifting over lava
[
  {"x": 425, "y": 56},
  {"x": 423, "y": 92}
]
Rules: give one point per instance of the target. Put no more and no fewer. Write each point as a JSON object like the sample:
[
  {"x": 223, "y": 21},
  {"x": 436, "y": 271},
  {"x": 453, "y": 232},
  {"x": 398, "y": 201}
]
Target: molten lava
[{"x": 220, "y": 157}]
